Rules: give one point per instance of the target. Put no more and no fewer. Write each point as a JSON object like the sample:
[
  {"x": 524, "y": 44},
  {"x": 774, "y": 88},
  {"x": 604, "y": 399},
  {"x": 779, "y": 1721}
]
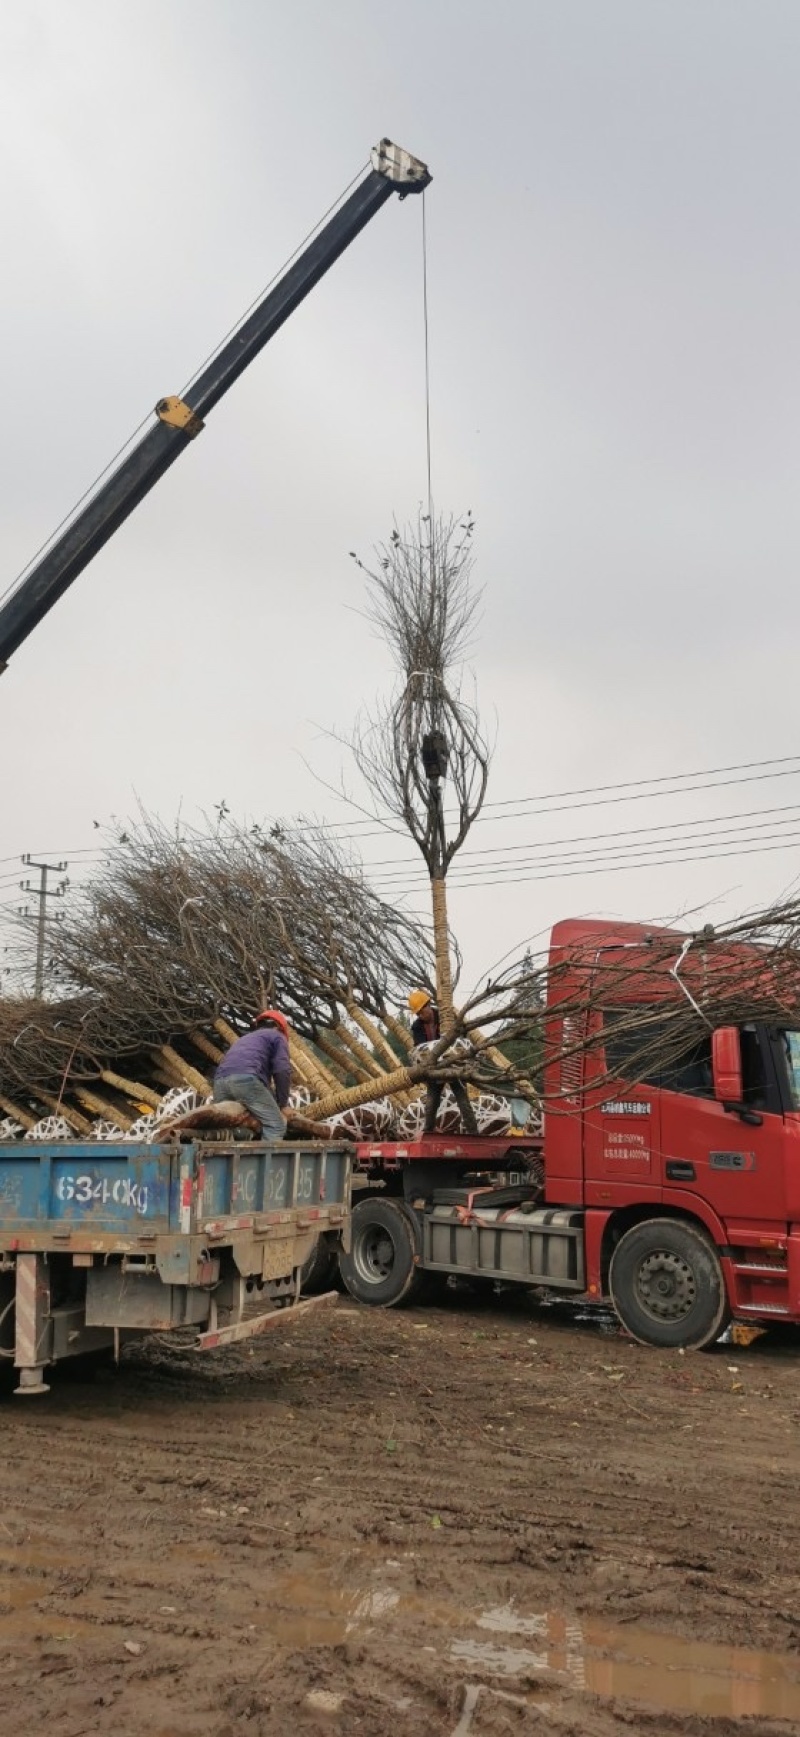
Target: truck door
[
  {"x": 621, "y": 1123},
  {"x": 735, "y": 1165}
]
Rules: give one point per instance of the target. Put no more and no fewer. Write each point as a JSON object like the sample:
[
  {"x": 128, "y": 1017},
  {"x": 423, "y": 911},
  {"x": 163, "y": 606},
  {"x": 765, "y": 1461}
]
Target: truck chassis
[{"x": 474, "y": 1208}]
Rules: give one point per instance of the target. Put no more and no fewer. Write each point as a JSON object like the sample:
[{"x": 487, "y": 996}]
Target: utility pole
[{"x": 42, "y": 893}]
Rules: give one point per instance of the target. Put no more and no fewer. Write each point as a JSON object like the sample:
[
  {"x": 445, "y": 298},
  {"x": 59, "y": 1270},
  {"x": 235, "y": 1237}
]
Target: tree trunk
[
  {"x": 379, "y": 1042},
  {"x": 316, "y": 1075},
  {"x": 300, "y": 1071},
  {"x": 372, "y": 1034},
  {"x": 441, "y": 948},
  {"x": 400, "y": 1031},
  {"x": 343, "y": 1064},
  {"x": 351, "y": 1096},
  {"x": 226, "y": 1031},
  {"x": 25, "y": 1119},
  {"x": 101, "y": 1107},
  {"x": 184, "y": 1074},
  {"x": 57, "y": 1107},
  {"x": 132, "y": 1089},
  {"x": 206, "y": 1047},
  {"x": 362, "y": 1057}
]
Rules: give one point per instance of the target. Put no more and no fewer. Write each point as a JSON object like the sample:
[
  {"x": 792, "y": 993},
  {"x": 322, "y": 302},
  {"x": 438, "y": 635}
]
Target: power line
[
  {"x": 597, "y": 794},
  {"x": 791, "y": 761},
  {"x": 504, "y": 850},
  {"x": 556, "y": 859},
  {"x": 522, "y": 813},
  {"x": 602, "y": 868},
  {"x": 661, "y": 778}
]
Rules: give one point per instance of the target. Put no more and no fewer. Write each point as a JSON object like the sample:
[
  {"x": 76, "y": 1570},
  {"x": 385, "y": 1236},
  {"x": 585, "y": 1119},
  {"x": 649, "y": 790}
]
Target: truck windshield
[{"x": 790, "y": 1041}]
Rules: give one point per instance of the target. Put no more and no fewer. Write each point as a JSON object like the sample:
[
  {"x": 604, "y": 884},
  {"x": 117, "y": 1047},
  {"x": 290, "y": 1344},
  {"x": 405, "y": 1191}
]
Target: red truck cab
[
  {"x": 666, "y": 1178},
  {"x": 685, "y": 1155}
]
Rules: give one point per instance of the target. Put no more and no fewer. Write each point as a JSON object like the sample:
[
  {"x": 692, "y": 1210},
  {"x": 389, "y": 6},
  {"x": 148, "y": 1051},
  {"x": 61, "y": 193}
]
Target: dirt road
[{"x": 475, "y": 1519}]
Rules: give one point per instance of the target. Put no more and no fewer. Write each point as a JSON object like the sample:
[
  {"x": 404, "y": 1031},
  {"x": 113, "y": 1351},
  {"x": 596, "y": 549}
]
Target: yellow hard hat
[{"x": 418, "y": 999}]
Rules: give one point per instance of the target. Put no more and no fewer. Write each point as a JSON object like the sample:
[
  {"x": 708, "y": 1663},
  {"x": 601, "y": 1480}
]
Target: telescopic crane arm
[{"x": 393, "y": 170}]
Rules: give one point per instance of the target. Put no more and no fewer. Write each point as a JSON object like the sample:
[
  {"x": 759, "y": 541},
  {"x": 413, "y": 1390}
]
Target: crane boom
[{"x": 393, "y": 170}]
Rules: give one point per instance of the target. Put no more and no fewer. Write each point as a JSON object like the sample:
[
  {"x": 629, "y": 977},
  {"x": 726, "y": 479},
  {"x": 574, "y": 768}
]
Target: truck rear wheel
[
  {"x": 667, "y": 1286},
  {"x": 319, "y": 1271},
  {"x": 380, "y": 1268}
]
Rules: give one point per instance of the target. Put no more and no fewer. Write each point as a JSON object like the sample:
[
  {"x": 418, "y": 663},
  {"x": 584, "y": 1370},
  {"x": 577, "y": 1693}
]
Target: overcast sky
[{"x": 614, "y": 266}]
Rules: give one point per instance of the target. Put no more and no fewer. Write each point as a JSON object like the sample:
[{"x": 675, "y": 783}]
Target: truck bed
[
  {"x": 117, "y": 1198},
  {"x": 101, "y": 1242}
]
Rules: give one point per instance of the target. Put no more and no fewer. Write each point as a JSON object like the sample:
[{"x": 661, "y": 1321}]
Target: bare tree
[{"x": 421, "y": 600}]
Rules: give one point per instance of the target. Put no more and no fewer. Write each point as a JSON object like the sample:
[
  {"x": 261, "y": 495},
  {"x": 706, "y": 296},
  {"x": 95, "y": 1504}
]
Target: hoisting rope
[
  {"x": 43, "y": 547},
  {"x": 427, "y": 372}
]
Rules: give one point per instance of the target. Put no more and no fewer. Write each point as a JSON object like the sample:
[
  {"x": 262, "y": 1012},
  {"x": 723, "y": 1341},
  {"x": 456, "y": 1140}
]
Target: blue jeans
[{"x": 249, "y": 1090}]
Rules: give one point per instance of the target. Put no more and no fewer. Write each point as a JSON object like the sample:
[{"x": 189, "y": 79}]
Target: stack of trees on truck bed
[
  {"x": 182, "y": 936},
  {"x": 173, "y": 947}
]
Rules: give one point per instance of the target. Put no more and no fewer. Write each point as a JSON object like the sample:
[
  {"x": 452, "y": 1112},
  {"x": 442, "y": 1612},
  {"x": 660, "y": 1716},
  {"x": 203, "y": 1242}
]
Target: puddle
[
  {"x": 631, "y": 1663},
  {"x": 604, "y": 1659},
  {"x": 312, "y": 1612},
  {"x": 502, "y": 1648},
  {"x": 495, "y": 1661}
]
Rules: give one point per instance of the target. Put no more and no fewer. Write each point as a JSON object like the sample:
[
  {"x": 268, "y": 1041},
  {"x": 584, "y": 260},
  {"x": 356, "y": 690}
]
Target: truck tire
[
  {"x": 380, "y": 1268},
  {"x": 667, "y": 1286},
  {"x": 319, "y": 1271}
]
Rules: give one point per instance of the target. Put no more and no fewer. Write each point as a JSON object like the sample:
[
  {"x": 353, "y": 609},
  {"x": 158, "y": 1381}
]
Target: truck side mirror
[{"x": 726, "y": 1057}]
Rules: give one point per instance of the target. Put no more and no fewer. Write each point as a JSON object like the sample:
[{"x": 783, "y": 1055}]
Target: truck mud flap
[{"x": 262, "y": 1323}]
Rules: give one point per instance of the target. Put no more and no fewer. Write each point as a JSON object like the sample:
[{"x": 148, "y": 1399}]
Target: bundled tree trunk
[
  {"x": 16, "y": 1113},
  {"x": 133, "y": 1089},
  {"x": 101, "y": 1107},
  {"x": 441, "y": 945},
  {"x": 351, "y": 1096}
]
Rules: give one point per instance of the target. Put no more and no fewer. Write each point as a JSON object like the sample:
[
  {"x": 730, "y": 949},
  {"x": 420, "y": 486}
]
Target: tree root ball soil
[{"x": 476, "y": 1518}]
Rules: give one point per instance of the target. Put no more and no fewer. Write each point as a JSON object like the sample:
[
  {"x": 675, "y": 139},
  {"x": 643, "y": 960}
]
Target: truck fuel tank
[{"x": 521, "y": 1244}]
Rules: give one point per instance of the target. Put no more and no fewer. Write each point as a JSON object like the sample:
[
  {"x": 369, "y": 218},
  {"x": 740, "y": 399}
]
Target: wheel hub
[
  {"x": 666, "y": 1285},
  {"x": 373, "y": 1255}
]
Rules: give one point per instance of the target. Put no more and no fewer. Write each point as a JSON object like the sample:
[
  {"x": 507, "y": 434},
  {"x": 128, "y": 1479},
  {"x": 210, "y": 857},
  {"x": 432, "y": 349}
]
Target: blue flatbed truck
[{"x": 100, "y": 1244}]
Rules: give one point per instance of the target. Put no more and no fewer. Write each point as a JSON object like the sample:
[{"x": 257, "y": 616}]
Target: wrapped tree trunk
[
  {"x": 17, "y": 1114},
  {"x": 226, "y": 1031},
  {"x": 132, "y": 1089},
  {"x": 185, "y": 1074},
  {"x": 441, "y": 947},
  {"x": 57, "y": 1107},
  {"x": 399, "y": 1031},
  {"x": 102, "y": 1108},
  {"x": 351, "y": 1096},
  {"x": 372, "y": 1033},
  {"x": 315, "y": 1074},
  {"x": 377, "y": 1039},
  {"x": 206, "y": 1047},
  {"x": 361, "y": 1056},
  {"x": 300, "y": 1075},
  {"x": 343, "y": 1063}
]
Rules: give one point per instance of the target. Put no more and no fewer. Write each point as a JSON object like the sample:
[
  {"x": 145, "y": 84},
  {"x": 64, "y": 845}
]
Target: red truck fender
[{"x": 681, "y": 1205}]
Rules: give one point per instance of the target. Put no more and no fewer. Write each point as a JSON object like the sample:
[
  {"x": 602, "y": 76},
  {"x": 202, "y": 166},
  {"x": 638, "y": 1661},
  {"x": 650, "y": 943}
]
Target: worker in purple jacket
[{"x": 256, "y": 1072}]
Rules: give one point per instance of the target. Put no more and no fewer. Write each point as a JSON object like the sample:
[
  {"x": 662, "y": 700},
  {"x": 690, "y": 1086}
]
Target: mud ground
[{"x": 474, "y": 1519}]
